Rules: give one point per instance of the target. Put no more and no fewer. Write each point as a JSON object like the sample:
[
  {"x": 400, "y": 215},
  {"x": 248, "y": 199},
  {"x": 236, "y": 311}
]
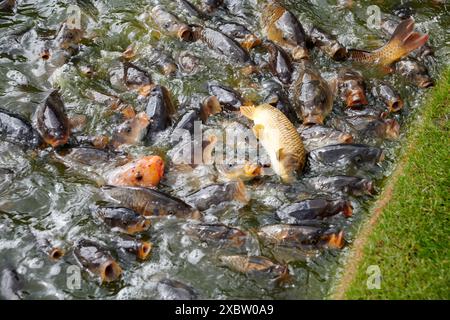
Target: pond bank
[{"x": 407, "y": 236}]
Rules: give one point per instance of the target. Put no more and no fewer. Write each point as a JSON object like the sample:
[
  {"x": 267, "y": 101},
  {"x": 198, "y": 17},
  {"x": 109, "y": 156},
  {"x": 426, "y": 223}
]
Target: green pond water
[{"x": 42, "y": 194}]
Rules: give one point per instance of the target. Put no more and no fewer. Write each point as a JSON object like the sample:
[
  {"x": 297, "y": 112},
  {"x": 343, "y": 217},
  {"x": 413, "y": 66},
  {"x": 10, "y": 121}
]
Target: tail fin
[
  {"x": 406, "y": 39},
  {"x": 241, "y": 192},
  {"x": 248, "y": 111}
]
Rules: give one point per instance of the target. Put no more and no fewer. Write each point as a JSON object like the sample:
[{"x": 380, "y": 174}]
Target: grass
[{"x": 409, "y": 240}]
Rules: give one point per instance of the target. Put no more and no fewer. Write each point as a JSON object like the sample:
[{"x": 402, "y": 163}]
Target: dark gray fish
[
  {"x": 174, "y": 290},
  {"x": 51, "y": 120},
  {"x": 218, "y": 234},
  {"x": 159, "y": 110},
  {"x": 123, "y": 219},
  {"x": 389, "y": 96},
  {"x": 91, "y": 156},
  {"x": 345, "y": 185},
  {"x": 313, "y": 209},
  {"x": 97, "y": 260},
  {"x": 318, "y": 136},
  {"x": 229, "y": 98},
  {"x": 16, "y": 129},
  {"x": 280, "y": 63},
  {"x": 141, "y": 249},
  {"x": 221, "y": 43},
  {"x": 10, "y": 284},
  {"x": 351, "y": 88},
  {"x": 414, "y": 72},
  {"x": 150, "y": 202}
]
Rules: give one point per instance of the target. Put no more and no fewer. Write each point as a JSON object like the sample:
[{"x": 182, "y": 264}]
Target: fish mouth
[
  {"x": 395, "y": 105},
  {"x": 144, "y": 250},
  {"x": 56, "y": 254},
  {"x": 185, "y": 33},
  {"x": 426, "y": 83},
  {"x": 110, "y": 271},
  {"x": 313, "y": 119},
  {"x": 356, "y": 99},
  {"x": 347, "y": 138}
]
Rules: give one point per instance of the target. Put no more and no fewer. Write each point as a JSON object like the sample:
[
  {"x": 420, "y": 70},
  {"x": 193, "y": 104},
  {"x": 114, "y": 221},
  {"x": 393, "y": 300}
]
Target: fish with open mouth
[
  {"x": 122, "y": 219},
  {"x": 170, "y": 24},
  {"x": 318, "y": 136},
  {"x": 311, "y": 209}
]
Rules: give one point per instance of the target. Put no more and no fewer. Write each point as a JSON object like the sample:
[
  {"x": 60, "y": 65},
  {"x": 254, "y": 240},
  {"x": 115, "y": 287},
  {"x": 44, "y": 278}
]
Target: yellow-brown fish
[
  {"x": 279, "y": 137},
  {"x": 403, "y": 41}
]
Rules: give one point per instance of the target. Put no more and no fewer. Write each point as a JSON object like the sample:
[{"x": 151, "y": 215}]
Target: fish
[
  {"x": 239, "y": 33},
  {"x": 218, "y": 234},
  {"x": 403, "y": 41},
  {"x": 97, "y": 260},
  {"x": 279, "y": 138},
  {"x": 159, "y": 108},
  {"x": 44, "y": 244},
  {"x": 211, "y": 5},
  {"x": 7, "y": 5},
  {"x": 131, "y": 131},
  {"x": 97, "y": 142},
  {"x": 175, "y": 290},
  {"x": 389, "y": 96},
  {"x": 141, "y": 249},
  {"x": 256, "y": 266},
  {"x": 283, "y": 28},
  {"x": 345, "y": 185},
  {"x": 216, "y": 194},
  {"x": 135, "y": 77},
  {"x": 150, "y": 202},
  {"x": 351, "y": 88},
  {"x": 52, "y": 122},
  {"x": 244, "y": 172},
  {"x": 345, "y": 156},
  {"x": 414, "y": 72},
  {"x": 17, "y": 130},
  {"x": 221, "y": 43},
  {"x": 170, "y": 24},
  {"x": 69, "y": 38},
  {"x": 192, "y": 10},
  {"x": 328, "y": 44},
  {"x": 91, "y": 156},
  {"x": 370, "y": 126},
  {"x": 144, "y": 172},
  {"x": 312, "y": 209},
  {"x": 277, "y": 98},
  {"x": 122, "y": 219},
  {"x": 188, "y": 62},
  {"x": 228, "y": 97},
  {"x": 298, "y": 236},
  {"x": 279, "y": 62},
  {"x": 11, "y": 284},
  {"x": 312, "y": 96},
  {"x": 318, "y": 136}
]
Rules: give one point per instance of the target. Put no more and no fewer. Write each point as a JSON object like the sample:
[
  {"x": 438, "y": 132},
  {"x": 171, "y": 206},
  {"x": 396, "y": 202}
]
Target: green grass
[{"x": 410, "y": 242}]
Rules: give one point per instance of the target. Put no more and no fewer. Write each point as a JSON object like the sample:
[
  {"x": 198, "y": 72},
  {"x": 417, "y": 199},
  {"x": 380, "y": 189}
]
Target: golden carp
[
  {"x": 403, "y": 41},
  {"x": 279, "y": 138}
]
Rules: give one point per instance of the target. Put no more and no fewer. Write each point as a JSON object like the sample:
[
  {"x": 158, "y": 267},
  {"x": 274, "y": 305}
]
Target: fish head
[{"x": 392, "y": 129}]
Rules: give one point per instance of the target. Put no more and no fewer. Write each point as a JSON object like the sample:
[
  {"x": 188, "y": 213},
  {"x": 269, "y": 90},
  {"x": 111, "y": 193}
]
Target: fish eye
[
  {"x": 358, "y": 159},
  {"x": 171, "y": 212}
]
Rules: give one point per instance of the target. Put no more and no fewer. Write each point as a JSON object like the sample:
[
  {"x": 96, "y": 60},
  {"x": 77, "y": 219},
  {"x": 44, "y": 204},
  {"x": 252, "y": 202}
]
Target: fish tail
[
  {"x": 404, "y": 40},
  {"x": 248, "y": 111}
]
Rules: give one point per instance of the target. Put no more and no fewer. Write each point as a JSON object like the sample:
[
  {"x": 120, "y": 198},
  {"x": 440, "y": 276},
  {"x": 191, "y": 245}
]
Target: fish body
[
  {"x": 144, "y": 172},
  {"x": 97, "y": 260},
  {"x": 312, "y": 209},
  {"x": 131, "y": 131},
  {"x": 389, "y": 96},
  {"x": 175, "y": 290},
  {"x": 283, "y": 28},
  {"x": 299, "y": 236},
  {"x": 403, "y": 41},
  {"x": 150, "y": 202},
  {"x": 91, "y": 156},
  {"x": 16, "y": 129},
  {"x": 240, "y": 33},
  {"x": 122, "y": 219},
  {"x": 141, "y": 249},
  {"x": 346, "y": 185},
  {"x": 52, "y": 122},
  {"x": 279, "y": 138},
  {"x": 216, "y": 194},
  {"x": 312, "y": 96},
  {"x": 221, "y": 43},
  {"x": 415, "y": 72},
  {"x": 280, "y": 63},
  {"x": 170, "y": 24},
  {"x": 218, "y": 234},
  {"x": 318, "y": 136},
  {"x": 159, "y": 109},
  {"x": 345, "y": 155}
]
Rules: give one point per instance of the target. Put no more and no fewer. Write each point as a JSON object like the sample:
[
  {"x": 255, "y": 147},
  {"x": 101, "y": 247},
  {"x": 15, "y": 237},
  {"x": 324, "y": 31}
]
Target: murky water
[{"x": 43, "y": 194}]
